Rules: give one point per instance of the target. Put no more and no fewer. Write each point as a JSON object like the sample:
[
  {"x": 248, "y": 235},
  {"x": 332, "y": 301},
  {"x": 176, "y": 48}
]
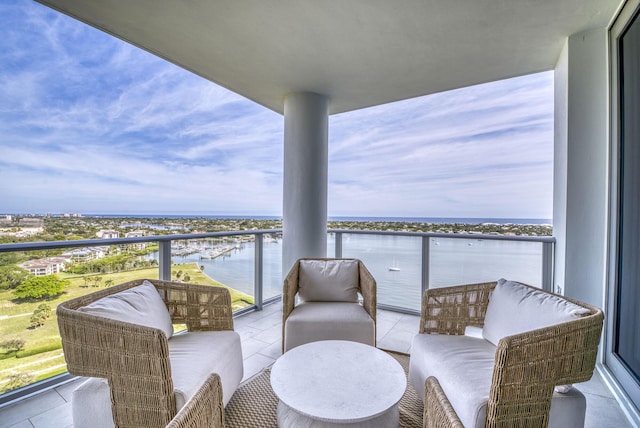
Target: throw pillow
[
  {"x": 137, "y": 305},
  {"x": 515, "y": 308},
  {"x": 328, "y": 281}
]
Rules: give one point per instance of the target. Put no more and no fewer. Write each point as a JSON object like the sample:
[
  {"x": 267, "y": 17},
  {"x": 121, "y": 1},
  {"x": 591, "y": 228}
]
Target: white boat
[{"x": 394, "y": 267}]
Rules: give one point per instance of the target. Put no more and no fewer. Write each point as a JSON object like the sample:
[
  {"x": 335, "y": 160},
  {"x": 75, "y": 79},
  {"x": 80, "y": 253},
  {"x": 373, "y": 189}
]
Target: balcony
[
  {"x": 404, "y": 264},
  {"x": 456, "y": 47}
]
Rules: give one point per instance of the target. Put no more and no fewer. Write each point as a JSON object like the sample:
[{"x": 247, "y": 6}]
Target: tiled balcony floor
[{"x": 261, "y": 341}]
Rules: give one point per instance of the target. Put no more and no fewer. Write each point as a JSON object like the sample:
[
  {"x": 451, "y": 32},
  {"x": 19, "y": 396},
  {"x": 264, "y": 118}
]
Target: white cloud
[
  {"x": 480, "y": 151},
  {"x": 91, "y": 124}
]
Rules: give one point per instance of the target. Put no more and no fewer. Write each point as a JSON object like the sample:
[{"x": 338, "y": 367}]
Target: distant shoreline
[{"x": 434, "y": 220}]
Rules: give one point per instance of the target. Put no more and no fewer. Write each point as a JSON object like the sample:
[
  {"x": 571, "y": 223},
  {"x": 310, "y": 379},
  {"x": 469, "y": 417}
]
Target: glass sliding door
[
  {"x": 623, "y": 339},
  {"x": 627, "y": 339}
]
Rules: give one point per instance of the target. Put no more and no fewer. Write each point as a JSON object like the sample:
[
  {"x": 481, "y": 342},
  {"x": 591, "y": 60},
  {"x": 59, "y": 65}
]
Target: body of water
[{"x": 452, "y": 262}]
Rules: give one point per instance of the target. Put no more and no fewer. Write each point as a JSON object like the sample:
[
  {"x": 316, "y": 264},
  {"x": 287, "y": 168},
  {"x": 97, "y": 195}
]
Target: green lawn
[{"x": 15, "y": 321}]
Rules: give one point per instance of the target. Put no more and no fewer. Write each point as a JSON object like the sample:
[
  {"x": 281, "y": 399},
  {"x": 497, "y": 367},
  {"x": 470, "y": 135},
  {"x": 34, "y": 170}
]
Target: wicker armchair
[
  {"x": 366, "y": 287},
  {"x": 135, "y": 359},
  {"x": 527, "y": 366}
]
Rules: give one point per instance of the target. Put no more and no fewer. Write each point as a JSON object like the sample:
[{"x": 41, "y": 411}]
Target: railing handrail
[
  {"x": 527, "y": 238},
  {"x": 47, "y": 245}
]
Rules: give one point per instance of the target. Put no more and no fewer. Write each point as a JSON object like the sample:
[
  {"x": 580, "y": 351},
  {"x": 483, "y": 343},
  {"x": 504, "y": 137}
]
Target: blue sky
[{"x": 91, "y": 124}]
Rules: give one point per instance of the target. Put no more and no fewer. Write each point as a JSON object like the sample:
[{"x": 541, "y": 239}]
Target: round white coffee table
[{"x": 321, "y": 384}]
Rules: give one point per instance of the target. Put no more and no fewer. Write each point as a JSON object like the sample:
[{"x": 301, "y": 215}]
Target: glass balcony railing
[
  {"x": 249, "y": 263},
  {"x": 405, "y": 264}
]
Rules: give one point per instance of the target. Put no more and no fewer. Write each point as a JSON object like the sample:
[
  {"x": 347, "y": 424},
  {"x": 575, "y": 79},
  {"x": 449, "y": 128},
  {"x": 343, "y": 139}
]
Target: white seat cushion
[
  {"x": 91, "y": 404},
  {"x": 313, "y": 321},
  {"x": 197, "y": 354},
  {"x": 463, "y": 366},
  {"x": 193, "y": 357}
]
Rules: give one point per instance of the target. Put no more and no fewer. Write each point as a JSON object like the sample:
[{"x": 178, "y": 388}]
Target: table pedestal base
[{"x": 289, "y": 418}]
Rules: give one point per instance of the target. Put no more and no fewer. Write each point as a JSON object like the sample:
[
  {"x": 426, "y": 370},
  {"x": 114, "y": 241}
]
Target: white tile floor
[{"x": 261, "y": 334}]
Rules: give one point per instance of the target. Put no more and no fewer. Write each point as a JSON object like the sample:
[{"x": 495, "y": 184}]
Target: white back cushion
[
  {"x": 515, "y": 308},
  {"x": 328, "y": 280},
  {"x": 140, "y": 305}
]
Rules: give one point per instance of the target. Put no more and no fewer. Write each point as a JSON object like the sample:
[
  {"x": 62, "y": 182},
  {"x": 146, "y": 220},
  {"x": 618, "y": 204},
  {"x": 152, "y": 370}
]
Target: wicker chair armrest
[
  {"x": 449, "y": 310},
  {"x": 368, "y": 289},
  {"x": 204, "y": 409},
  {"x": 438, "y": 411},
  {"x": 133, "y": 358},
  {"x": 97, "y": 346},
  {"x": 200, "y": 307},
  {"x": 529, "y": 365},
  {"x": 289, "y": 291}
]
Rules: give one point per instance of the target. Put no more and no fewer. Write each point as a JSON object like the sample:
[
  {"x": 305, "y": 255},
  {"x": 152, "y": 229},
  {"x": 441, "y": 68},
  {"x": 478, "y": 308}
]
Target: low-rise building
[
  {"x": 137, "y": 245},
  {"x": 44, "y": 266},
  {"x": 30, "y": 226},
  {"x": 81, "y": 255},
  {"x": 108, "y": 234}
]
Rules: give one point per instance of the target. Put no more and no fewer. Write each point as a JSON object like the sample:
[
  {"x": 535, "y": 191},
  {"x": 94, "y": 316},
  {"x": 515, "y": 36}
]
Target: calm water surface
[{"x": 452, "y": 261}]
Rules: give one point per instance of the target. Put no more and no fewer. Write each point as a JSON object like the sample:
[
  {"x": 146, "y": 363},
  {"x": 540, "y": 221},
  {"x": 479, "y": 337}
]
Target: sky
[{"x": 90, "y": 124}]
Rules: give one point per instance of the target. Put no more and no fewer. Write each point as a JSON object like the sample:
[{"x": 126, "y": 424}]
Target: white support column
[
  {"x": 581, "y": 167},
  {"x": 306, "y": 122}
]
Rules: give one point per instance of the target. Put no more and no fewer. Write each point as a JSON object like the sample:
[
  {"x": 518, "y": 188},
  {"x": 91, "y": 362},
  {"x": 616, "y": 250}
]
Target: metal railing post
[
  {"x": 338, "y": 245},
  {"x": 258, "y": 272},
  {"x": 547, "y": 266},
  {"x": 426, "y": 257},
  {"x": 164, "y": 260}
]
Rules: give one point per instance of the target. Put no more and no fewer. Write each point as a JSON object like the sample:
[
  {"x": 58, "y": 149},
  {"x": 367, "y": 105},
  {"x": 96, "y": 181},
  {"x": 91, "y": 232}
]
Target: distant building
[
  {"x": 45, "y": 266},
  {"x": 108, "y": 234},
  {"x": 137, "y": 245},
  {"x": 30, "y": 226},
  {"x": 31, "y": 222},
  {"x": 81, "y": 255}
]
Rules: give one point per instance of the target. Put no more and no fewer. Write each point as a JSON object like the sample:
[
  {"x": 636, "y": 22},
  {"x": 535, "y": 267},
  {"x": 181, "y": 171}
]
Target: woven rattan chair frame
[
  {"x": 204, "y": 409},
  {"x": 133, "y": 358},
  {"x": 527, "y": 366},
  {"x": 437, "y": 408},
  {"x": 366, "y": 287}
]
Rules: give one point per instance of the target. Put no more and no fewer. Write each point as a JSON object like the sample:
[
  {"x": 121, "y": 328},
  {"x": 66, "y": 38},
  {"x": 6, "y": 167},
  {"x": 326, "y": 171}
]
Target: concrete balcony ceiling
[{"x": 358, "y": 53}]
